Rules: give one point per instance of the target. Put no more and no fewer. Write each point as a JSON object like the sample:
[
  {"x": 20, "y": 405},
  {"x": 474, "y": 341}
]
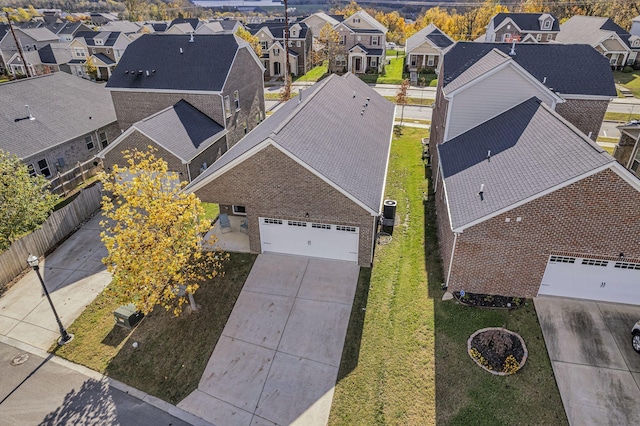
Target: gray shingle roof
[
  {"x": 327, "y": 132},
  {"x": 587, "y": 29},
  {"x": 62, "y": 106},
  {"x": 182, "y": 129},
  {"x": 202, "y": 65},
  {"x": 532, "y": 150},
  {"x": 485, "y": 64},
  {"x": 39, "y": 34},
  {"x": 590, "y": 71}
]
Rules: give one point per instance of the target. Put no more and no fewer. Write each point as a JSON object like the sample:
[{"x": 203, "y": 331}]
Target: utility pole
[
  {"x": 287, "y": 77},
  {"x": 24, "y": 62}
]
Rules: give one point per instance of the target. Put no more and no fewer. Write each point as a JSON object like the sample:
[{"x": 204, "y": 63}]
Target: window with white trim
[
  {"x": 343, "y": 40},
  {"x": 594, "y": 262},
  {"x": 320, "y": 226},
  {"x": 375, "y": 40},
  {"x": 273, "y": 221},
  {"x": 89, "y": 141},
  {"x": 549, "y": 37},
  {"x": 345, "y": 228},
  {"x": 103, "y": 139},
  {"x": 431, "y": 60},
  {"x": 297, "y": 223},
  {"x": 546, "y": 24},
  {"x": 356, "y": 20},
  {"x": 93, "y": 50},
  {"x": 627, "y": 265},
  {"x": 78, "y": 52},
  {"x": 236, "y": 99},
  {"x": 506, "y": 37},
  {"x": 298, "y": 44},
  {"x": 341, "y": 61},
  {"x": 32, "y": 171},
  {"x": 539, "y": 37},
  {"x": 44, "y": 167},
  {"x": 562, "y": 259},
  {"x": 264, "y": 45},
  {"x": 635, "y": 164}
]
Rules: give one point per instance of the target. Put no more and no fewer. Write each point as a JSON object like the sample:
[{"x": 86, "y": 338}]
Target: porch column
[{"x": 424, "y": 60}]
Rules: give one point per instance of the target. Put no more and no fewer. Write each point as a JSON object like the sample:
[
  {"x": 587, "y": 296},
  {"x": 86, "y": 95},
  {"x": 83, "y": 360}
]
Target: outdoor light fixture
[{"x": 64, "y": 336}]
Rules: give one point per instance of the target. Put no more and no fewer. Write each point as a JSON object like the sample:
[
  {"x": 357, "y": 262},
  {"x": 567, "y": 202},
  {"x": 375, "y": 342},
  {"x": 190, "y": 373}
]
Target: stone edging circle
[{"x": 497, "y": 373}]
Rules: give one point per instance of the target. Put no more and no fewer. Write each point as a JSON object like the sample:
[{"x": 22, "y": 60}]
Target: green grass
[
  {"x": 211, "y": 210},
  {"x": 412, "y": 366},
  {"x": 629, "y": 80},
  {"x": 413, "y": 101},
  {"x": 316, "y": 74},
  {"x": 173, "y": 352},
  {"x": 609, "y": 149},
  {"x": 391, "y": 380},
  {"x": 621, "y": 116},
  {"x": 272, "y": 96},
  {"x": 414, "y": 120}
]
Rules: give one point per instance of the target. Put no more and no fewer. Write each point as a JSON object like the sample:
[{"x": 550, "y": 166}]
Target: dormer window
[
  {"x": 546, "y": 24},
  {"x": 356, "y": 20}
]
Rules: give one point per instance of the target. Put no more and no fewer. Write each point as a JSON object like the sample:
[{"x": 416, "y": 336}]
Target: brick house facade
[{"x": 585, "y": 114}]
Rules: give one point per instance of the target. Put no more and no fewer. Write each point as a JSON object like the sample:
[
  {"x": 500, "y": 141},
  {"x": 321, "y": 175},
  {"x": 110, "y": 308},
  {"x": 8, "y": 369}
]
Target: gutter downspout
[{"x": 453, "y": 251}]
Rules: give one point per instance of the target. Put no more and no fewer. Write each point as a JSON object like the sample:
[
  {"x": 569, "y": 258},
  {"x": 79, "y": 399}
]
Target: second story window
[
  {"x": 236, "y": 100},
  {"x": 298, "y": 43},
  {"x": 44, "y": 167},
  {"x": 78, "y": 52},
  {"x": 89, "y": 141},
  {"x": 375, "y": 40},
  {"x": 276, "y": 52},
  {"x": 549, "y": 37},
  {"x": 343, "y": 40},
  {"x": 264, "y": 45},
  {"x": 506, "y": 37},
  {"x": 356, "y": 20}
]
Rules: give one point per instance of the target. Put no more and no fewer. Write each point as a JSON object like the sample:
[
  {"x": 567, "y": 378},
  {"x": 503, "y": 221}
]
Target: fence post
[{"x": 81, "y": 172}]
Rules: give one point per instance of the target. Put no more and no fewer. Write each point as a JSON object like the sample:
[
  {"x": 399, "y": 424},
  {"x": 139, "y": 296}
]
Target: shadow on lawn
[{"x": 351, "y": 349}]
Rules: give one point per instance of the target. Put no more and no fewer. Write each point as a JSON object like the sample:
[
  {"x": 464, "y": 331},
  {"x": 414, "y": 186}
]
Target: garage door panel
[
  {"x": 592, "y": 279},
  {"x": 309, "y": 239}
]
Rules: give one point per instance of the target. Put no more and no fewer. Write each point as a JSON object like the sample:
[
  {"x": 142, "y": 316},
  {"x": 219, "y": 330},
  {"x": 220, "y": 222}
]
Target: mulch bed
[
  {"x": 497, "y": 350},
  {"x": 489, "y": 301}
]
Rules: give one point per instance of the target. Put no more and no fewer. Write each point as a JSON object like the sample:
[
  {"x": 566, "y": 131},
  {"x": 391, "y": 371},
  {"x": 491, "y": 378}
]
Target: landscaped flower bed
[
  {"x": 488, "y": 300},
  {"x": 497, "y": 350}
]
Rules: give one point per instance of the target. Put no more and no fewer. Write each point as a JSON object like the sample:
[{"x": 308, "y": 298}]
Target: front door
[
  {"x": 358, "y": 64},
  {"x": 276, "y": 68}
]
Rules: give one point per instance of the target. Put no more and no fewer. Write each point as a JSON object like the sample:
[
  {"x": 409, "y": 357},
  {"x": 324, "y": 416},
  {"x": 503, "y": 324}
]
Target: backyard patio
[{"x": 233, "y": 239}]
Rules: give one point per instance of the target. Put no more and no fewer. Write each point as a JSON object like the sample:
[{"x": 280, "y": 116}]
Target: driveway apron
[
  {"x": 278, "y": 357},
  {"x": 596, "y": 369}
]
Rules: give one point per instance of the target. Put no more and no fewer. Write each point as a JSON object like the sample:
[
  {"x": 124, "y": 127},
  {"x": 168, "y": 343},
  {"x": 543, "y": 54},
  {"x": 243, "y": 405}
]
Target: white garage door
[
  {"x": 594, "y": 279},
  {"x": 309, "y": 239}
]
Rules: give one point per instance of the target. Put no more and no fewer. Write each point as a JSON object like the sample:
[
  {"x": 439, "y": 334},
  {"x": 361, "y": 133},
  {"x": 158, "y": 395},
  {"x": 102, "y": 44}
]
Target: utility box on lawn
[{"x": 127, "y": 316}]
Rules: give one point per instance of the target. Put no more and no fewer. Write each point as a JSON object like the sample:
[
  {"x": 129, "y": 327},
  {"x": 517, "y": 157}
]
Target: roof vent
[
  {"x": 181, "y": 50},
  {"x": 354, "y": 94},
  {"x": 31, "y": 117},
  {"x": 481, "y": 193},
  {"x": 126, "y": 72},
  {"x": 512, "y": 52},
  {"x": 489, "y": 156},
  {"x": 147, "y": 73},
  {"x": 140, "y": 72},
  {"x": 544, "y": 80},
  {"x": 300, "y": 95},
  {"x": 191, "y": 38}
]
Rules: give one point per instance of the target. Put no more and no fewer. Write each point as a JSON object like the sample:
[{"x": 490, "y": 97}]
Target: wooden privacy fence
[
  {"x": 65, "y": 182},
  {"x": 57, "y": 226}
]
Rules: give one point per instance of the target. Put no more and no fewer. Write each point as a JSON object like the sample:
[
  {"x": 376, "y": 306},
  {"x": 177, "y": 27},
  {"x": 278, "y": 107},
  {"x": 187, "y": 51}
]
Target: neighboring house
[
  {"x": 272, "y": 40},
  {"x": 364, "y": 39},
  {"x": 184, "y": 26},
  {"x": 51, "y": 58},
  {"x": 520, "y": 200},
  {"x": 220, "y": 75},
  {"x": 100, "y": 19},
  {"x": 69, "y": 31},
  {"x": 627, "y": 150},
  {"x": 67, "y": 121},
  {"x": 617, "y": 45},
  {"x": 424, "y": 49},
  {"x": 317, "y": 21},
  {"x": 522, "y": 27},
  {"x": 124, "y": 27},
  {"x": 104, "y": 48},
  {"x": 635, "y": 26},
  {"x": 31, "y": 39},
  {"x": 310, "y": 179},
  {"x": 478, "y": 81},
  {"x": 184, "y": 137}
]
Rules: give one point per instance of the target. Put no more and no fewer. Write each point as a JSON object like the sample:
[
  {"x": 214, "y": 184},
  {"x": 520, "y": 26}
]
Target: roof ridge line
[{"x": 303, "y": 103}]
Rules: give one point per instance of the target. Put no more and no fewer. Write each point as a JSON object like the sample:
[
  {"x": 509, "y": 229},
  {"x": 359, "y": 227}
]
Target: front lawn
[
  {"x": 393, "y": 71},
  {"x": 316, "y": 73},
  {"x": 629, "y": 80},
  {"x": 413, "y": 101},
  {"x": 172, "y": 352},
  {"x": 413, "y": 366},
  {"x": 622, "y": 117}
]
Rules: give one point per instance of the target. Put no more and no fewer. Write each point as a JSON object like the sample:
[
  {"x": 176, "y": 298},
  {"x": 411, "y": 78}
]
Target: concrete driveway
[
  {"x": 278, "y": 357},
  {"x": 597, "y": 370},
  {"x": 74, "y": 275}
]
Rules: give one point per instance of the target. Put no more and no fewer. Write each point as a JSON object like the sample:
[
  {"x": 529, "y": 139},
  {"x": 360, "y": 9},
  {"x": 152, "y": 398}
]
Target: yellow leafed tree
[
  {"x": 253, "y": 40},
  {"x": 153, "y": 236}
]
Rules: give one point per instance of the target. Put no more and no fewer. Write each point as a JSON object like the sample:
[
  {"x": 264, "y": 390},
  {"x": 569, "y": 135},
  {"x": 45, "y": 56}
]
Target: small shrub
[
  {"x": 433, "y": 83},
  {"x": 627, "y": 69}
]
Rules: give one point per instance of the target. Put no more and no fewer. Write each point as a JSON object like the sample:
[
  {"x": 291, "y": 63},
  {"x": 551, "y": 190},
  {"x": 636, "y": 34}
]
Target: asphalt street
[{"x": 43, "y": 392}]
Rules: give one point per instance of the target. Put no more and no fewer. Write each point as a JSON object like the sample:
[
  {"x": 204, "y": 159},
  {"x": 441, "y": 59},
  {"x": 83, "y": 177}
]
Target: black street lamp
[{"x": 64, "y": 336}]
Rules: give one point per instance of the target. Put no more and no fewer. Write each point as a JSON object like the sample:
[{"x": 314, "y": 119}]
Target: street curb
[{"x": 138, "y": 394}]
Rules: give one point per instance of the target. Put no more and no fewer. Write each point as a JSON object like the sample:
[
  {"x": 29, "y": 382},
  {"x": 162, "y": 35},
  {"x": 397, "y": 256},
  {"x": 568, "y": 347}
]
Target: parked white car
[
  {"x": 635, "y": 336},
  {"x": 391, "y": 45}
]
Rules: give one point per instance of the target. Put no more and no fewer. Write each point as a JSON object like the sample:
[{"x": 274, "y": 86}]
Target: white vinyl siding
[{"x": 478, "y": 103}]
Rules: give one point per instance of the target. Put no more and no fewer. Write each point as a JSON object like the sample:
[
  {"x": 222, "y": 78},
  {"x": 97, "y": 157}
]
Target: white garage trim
[
  {"x": 593, "y": 279},
  {"x": 312, "y": 239}
]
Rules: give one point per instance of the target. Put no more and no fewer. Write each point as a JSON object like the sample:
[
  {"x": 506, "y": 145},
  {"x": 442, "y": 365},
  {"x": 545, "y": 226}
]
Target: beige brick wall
[
  {"x": 586, "y": 115},
  {"x": 273, "y": 185},
  {"x": 137, "y": 140},
  {"x": 595, "y": 217}
]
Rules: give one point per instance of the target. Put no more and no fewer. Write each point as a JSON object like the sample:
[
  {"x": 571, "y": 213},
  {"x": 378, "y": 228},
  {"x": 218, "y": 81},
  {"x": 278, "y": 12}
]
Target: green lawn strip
[
  {"x": 607, "y": 139},
  {"x": 413, "y": 120},
  {"x": 622, "y": 117},
  {"x": 316, "y": 74},
  {"x": 392, "y": 71},
  {"x": 629, "y": 80},
  {"x": 272, "y": 96},
  {"x": 392, "y": 381},
  {"x": 413, "y": 101},
  {"x": 609, "y": 149},
  {"x": 172, "y": 352}
]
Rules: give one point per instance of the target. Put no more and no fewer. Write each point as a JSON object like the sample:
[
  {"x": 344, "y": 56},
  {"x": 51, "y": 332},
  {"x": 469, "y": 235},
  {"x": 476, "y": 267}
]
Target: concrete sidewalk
[{"x": 74, "y": 275}]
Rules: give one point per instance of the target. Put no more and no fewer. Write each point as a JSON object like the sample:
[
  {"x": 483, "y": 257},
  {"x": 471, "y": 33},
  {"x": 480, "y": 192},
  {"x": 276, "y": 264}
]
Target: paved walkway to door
[
  {"x": 278, "y": 357},
  {"x": 597, "y": 370}
]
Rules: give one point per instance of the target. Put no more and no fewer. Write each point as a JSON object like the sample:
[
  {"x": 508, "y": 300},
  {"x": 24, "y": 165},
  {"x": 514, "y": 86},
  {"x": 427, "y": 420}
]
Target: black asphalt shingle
[
  {"x": 174, "y": 63},
  {"x": 440, "y": 40},
  {"x": 576, "y": 69},
  {"x": 525, "y": 21}
]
